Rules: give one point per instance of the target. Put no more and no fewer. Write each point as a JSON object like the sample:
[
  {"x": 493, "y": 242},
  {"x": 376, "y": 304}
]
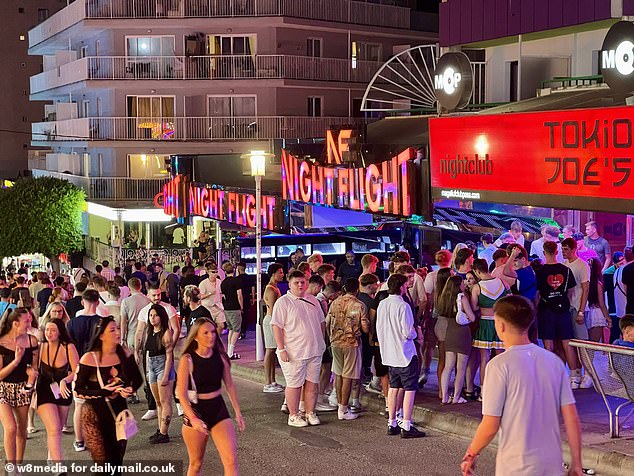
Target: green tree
[{"x": 41, "y": 215}]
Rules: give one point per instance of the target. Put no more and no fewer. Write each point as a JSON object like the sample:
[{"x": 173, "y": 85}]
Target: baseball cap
[{"x": 617, "y": 257}]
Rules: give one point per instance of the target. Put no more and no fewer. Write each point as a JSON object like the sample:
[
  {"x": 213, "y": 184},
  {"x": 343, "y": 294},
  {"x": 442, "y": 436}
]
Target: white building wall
[{"x": 566, "y": 55}]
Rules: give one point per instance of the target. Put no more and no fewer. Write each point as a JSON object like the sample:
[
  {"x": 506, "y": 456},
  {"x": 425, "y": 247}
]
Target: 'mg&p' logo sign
[
  {"x": 617, "y": 57},
  {"x": 453, "y": 81}
]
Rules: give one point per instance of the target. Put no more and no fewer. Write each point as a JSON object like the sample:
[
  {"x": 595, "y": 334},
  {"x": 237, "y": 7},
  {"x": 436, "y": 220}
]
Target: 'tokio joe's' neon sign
[{"x": 181, "y": 199}]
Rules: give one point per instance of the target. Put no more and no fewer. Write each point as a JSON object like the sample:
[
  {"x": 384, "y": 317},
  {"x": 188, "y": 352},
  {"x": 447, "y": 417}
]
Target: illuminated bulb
[{"x": 482, "y": 145}]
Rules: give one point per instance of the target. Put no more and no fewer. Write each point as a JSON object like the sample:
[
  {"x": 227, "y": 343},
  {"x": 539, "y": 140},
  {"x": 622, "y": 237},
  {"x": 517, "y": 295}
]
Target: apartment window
[
  {"x": 152, "y": 117},
  {"x": 231, "y": 45},
  {"x": 147, "y": 165},
  {"x": 22, "y": 37},
  {"x": 20, "y": 10},
  {"x": 313, "y": 47},
  {"x": 42, "y": 14},
  {"x": 314, "y": 106},
  {"x": 150, "y": 45},
  {"x": 235, "y": 117},
  {"x": 83, "y": 51},
  {"x": 232, "y": 106},
  {"x": 366, "y": 51}
]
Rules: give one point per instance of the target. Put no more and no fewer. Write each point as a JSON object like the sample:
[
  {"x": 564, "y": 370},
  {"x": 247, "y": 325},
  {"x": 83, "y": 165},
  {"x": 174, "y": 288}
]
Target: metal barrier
[{"x": 612, "y": 370}]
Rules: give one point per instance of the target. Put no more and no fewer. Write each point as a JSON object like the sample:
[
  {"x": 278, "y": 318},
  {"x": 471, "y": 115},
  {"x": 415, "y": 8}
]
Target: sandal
[
  {"x": 235, "y": 357},
  {"x": 31, "y": 430},
  {"x": 460, "y": 400}
]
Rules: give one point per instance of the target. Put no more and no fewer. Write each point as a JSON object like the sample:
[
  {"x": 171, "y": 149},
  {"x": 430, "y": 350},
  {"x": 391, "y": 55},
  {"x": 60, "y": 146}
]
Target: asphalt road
[{"x": 270, "y": 447}]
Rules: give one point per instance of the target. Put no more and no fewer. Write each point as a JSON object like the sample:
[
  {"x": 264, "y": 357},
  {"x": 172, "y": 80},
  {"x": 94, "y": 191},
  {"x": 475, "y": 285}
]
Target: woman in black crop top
[
  {"x": 19, "y": 354},
  {"x": 159, "y": 355},
  {"x": 120, "y": 376},
  {"x": 58, "y": 362},
  {"x": 201, "y": 371}
]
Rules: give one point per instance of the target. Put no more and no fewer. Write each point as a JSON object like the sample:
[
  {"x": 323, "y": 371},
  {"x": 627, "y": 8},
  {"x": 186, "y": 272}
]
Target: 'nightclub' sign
[{"x": 579, "y": 159}]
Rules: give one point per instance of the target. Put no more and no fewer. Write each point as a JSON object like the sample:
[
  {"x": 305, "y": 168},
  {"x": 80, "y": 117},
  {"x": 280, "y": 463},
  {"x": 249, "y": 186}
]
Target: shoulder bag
[
  {"x": 125, "y": 424},
  {"x": 461, "y": 317},
  {"x": 192, "y": 393}
]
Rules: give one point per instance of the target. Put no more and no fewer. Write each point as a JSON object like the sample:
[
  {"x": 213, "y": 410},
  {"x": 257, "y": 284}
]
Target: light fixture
[
  {"x": 258, "y": 163},
  {"x": 482, "y": 145}
]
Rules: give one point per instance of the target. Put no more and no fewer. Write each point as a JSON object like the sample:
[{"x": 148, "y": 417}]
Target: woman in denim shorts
[{"x": 159, "y": 353}]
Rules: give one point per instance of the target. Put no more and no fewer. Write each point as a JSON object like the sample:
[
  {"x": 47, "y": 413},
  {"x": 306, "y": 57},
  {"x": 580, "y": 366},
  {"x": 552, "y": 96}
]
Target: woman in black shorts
[
  {"x": 203, "y": 367},
  {"x": 19, "y": 352},
  {"x": 59, "y": 359}
]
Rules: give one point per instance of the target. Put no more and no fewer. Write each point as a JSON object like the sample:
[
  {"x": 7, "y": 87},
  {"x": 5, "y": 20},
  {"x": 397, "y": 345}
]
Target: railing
[
  {"x": 111, "y": 188},
  {"x": 612, "y": 370},
  {"x": 99, "y": 251},
  {"x": 342, "y": 11},
  {"x": 574, "y": 81},
  {"x": 205, "y": 68},
  {"x": 187, "y": 128}
]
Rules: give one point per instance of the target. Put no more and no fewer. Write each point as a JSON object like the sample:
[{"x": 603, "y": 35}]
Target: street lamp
[{"x": 258, "y": 170}]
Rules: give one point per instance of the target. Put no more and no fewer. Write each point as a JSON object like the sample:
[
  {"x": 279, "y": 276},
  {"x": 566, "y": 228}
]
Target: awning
[
  {"x": 582, "y": 98},
  {"x": 476, "y": 218},
  {"x": 410, "y": 131}
]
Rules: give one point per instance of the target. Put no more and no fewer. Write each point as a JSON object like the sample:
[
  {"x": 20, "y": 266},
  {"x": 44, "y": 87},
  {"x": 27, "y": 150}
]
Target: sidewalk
[{"x": 607, "y": 456}]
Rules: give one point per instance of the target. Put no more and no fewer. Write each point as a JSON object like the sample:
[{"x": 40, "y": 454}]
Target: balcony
[
  {"x": 340, "y": 11},
  {"x": 216, "y": 67},
  {"x": 111, "y": 188},
  {"x": 198, "y": 129}
]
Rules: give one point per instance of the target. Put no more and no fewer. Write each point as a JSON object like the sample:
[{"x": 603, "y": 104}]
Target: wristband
[{"x": 282, "y": 350}]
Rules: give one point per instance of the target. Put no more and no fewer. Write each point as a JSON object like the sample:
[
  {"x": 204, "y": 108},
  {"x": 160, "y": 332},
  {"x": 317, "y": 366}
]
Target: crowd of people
[{"x": 93, "y": 340}]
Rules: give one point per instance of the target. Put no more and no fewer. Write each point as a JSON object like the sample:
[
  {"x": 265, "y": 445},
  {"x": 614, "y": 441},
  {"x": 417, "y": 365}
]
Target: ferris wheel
[{"x": 405, "y": 81}]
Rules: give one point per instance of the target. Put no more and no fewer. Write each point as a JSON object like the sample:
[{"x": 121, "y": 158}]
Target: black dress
[
  {"x": 48, "y": 374},
  {"x": 97, "y": 420}
]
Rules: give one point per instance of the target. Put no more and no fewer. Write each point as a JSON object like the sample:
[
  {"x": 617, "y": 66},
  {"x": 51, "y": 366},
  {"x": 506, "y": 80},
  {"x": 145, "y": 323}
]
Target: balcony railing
[
  {"x": 205, "y": 68},
  {"x": 111, "y": 188},
  {"x": 342, "y": 11},
  {"x": 99, "y": 251},
  {"x": 187, "y": 128}
]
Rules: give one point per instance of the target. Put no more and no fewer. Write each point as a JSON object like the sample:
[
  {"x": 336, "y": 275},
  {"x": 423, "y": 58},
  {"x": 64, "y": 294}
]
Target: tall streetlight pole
[{"x": 258, "y": 170}]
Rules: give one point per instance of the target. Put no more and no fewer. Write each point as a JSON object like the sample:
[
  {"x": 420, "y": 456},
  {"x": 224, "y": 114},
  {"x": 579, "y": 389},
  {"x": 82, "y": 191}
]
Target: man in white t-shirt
[
  {"x": 299, "y": 327},
  {"x": 578, "y": 301},
  {"x": 525, "y": 391}
]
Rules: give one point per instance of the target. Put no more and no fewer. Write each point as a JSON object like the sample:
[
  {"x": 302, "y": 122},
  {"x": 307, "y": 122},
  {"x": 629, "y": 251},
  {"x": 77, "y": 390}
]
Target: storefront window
[
  {"x": 147, "y": 166},
  {"x": 286, "y": 250},
  {"x": 330, "y": 248},
  {"x": 249, "y": 252},
  {"x": 363, "y": 247}
]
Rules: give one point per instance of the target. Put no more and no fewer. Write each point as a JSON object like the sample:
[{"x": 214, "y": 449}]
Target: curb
[{"x": 605, "y": 463}]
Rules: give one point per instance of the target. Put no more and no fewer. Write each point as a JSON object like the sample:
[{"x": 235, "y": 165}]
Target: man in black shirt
[
  {"x": 628, "y": 285},
  {"x": 139, "y": 273},
  {"x": 188, "y": 278},
  {"x": 20, "y": 285},
  {"x": 555, "y": 282},
  {"x": 369, "y": 284},
  {"x": 247, "y": 284},
  {"x": 74, "y": 304},
  {"x": 349, "y": 268},
  {"x": 191, "y": 299},
  {"x": 231, "y": 288}
]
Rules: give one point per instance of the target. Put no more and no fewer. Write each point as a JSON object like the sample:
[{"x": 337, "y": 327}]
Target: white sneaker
[
  {"x": 179, "y": 409},
  {"x": 296, "y": 421},
  {"x": 325, "y": 407},
  {"x": 284, "y": 408},
  {"x": 313, "y": 419},
  {"x": 149, "y": 415},
  {"x": 574, "y": 383},
  {"x": 272, "y": 388},
  {"x": 281, "y": 387},
  {"x": 332, "y": 399},
  {"x": 347, "y": 415},
  {"x": 586, "y": 381}
]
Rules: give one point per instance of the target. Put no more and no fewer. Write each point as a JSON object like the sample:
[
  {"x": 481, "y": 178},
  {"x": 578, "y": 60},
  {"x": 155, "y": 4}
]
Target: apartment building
[
  {"x": 130, "y": 83},
  {"x": 18, "y": 66}
]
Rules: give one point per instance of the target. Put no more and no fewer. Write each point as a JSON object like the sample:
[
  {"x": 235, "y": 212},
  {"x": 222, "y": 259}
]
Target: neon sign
[
  {"x": 181, "y": 199},
  {"x": 377, "y": 188}
]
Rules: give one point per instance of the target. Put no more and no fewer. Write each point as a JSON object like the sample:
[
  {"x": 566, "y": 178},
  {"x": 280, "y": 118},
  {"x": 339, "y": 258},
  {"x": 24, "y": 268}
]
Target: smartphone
[{"x": 55, "y": 389}]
